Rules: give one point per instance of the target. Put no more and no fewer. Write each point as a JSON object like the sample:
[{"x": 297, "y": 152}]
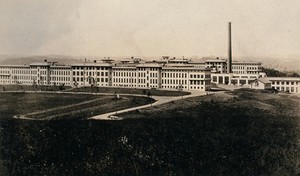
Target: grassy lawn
[
  {"x": 55, "y": 106},
  {"x": 98, "y": 106},
  {"x": 154, "y": 92},
  {"x": 235, "y": 133},
  {"x": 21, "y": 87},
  {"x": 151, "y": 92},
  {"x": 22, "y": 103}
]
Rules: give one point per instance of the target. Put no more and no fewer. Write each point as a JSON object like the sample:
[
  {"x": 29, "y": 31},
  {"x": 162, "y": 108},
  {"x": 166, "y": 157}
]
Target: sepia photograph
[{"x": 149, "y": 87}]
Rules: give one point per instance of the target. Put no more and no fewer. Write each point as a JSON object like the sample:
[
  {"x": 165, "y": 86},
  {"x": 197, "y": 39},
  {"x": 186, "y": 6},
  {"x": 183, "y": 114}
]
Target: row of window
[
  {"x": 124, "y": 74},
  {"x": 172, "y": 81},
  {"x": 77, "y": 79},
  {"x": 60, "y": 78},
  {"x": 287, "y": 89},
  {"x": 4, "y": 77},
  {"x": 174, "y": 75},
  {"x": 196, "y": 76},
  {"x": 21, "y": 77},
  {"x": 4, "y": 71},
  {"x": 81, "y": 73},
  {"x": 196, "y": 82},
  {"x": 20, "y": 71},
  {"x": 59, "y": 72},
  {"x": 91, "y": 68},
  {"x": 124, "y": 80},
  {"x": 284, "y": 83}
]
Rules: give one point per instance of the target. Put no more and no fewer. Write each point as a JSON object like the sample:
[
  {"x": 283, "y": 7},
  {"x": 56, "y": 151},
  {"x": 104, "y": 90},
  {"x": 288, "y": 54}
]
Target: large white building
[
  {"x": 109, "y": 74},
  {"x": 176, "y": 74}
]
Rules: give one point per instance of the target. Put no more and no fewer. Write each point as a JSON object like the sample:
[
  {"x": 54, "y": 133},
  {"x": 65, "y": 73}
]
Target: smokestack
[{"x": 229, "y": 65}]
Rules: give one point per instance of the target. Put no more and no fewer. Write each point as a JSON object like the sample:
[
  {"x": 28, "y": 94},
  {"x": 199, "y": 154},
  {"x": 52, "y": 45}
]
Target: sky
[{"x": 260, "y": 28}]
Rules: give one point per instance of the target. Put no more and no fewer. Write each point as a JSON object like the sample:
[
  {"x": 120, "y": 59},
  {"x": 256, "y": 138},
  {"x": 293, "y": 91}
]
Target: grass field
[
  {"x": 235, "y": 133},
  {"x": 154, "y": 92},
  {"x": 22, "y": 103},
  {"x": 67, "y": 106},
  {"x": 113, "y": 90},
  {"x": 21, "y": 87}
]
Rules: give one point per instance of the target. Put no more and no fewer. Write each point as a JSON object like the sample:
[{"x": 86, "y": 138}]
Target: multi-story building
[
  {"x": 97, "y": 74},
  {"x": 238, "y": 67},
  {"x": 234, "y": 78},
  {"x": 15, "y": 74},
  {"x": 134, "y": 74},
  {"x": 60, "y": 75},
  {"x": 246, "y": 67},
  {"x": 177, "y": 74},
  {"x": 217, "y": 65}
]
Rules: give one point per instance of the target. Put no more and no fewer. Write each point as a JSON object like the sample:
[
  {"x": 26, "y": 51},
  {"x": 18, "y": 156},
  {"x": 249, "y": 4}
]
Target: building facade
[
  {"x": 176, "y": 74},
  {"x": 137, "y": 75},
  {"x": 285, "y": 84}
]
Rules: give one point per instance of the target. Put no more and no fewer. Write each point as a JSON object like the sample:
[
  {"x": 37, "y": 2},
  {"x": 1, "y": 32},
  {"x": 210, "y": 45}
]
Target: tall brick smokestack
[{"x": 229, "y": 64}]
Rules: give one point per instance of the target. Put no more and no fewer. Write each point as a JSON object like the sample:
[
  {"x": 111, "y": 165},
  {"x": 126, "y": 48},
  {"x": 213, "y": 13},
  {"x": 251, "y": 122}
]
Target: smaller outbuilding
[{"x": 261, "y": 83}]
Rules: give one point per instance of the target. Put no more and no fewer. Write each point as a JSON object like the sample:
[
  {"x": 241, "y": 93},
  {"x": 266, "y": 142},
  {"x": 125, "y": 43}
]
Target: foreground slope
[{"x": 235, "y": 133}]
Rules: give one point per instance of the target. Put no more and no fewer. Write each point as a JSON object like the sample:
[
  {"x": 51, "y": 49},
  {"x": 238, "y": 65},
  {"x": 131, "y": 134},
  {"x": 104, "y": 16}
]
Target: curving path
[{"x": 159, "y": 100}]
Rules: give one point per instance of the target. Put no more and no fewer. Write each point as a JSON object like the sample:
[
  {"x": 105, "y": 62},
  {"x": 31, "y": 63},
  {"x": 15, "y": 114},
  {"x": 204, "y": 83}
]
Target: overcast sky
[{"x": 150, "y": 27}]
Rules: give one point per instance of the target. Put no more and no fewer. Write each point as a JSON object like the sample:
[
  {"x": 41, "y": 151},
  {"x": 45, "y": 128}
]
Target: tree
[
  {"x": 276, "y": 73},
  {"x": 34, "y": 85},
  {"x": 144, "y": 92},
  {"x": 149, "y": 94},
  {"x": 76, "y": 84},
  {"x": 62, "y": 87}
]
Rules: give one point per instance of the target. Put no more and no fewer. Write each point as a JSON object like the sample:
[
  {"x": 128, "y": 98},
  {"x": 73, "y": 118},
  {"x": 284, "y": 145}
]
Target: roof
[
  {"x": 245, "y": 62},
  {"x": 179, "y": 65},
  {"x": 216, "y": 60},
  {"x": 90, "y": 64},
  {"x": 264, "y": 80},
  {"x": 178, "y": 60},
  {"x": 23, "y": 66},
  {"x": 149, "y": 65},
  {"x": 40, "y": 64},
  {"x": 124, "y": 66},
  {"x": 283, "y": 78},
  {"x": 186, "y": 68},
  {"x": 60, "y": 66}
]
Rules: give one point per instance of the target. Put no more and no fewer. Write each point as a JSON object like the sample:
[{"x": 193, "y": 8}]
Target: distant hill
[
  {"x": 280, "y": 64},
  {"x": 19, "y": 60},
  {"x": 276, "y": 73}
]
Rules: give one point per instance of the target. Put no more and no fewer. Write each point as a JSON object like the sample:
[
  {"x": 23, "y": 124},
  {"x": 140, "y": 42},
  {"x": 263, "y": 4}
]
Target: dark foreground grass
[
  {"x": 220, "y": 135},
  {"x": 149, "y": 147}
]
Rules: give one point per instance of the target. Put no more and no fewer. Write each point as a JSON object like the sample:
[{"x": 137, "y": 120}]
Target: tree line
[{"x": 276, "y": 73}]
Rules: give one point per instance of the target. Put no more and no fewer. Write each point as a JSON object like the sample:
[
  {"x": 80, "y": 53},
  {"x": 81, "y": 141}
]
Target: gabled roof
[
  {"x": 283, "y": 79},
  {"x": 40, "y": 64},
  {"x": 264, "y": 80}
]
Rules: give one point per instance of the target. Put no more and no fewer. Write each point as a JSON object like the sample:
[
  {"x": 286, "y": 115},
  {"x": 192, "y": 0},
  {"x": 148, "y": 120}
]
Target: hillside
[{"x": 242, "y": 132}]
